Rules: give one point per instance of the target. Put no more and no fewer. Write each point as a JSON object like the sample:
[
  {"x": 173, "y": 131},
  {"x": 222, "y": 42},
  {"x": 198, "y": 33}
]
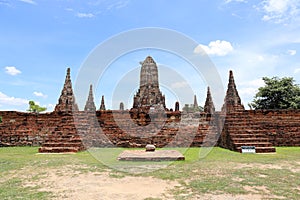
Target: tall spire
[
  {"x": 135, "y": 102},
  {"x": 232, "y": 101},
  {"x": 149, "y": 93},
  {"x": 66, "y": 101},
  {"x": 90, "y": 104},
  {"x": 122, "y": 106},
  {"x": 102, "y": 106},
  {"x": 195, "y": 102},
  {"x": 209, "y": 104},
  {"x": 149, "y": 73},
  {"x": 176, "y": 106}
]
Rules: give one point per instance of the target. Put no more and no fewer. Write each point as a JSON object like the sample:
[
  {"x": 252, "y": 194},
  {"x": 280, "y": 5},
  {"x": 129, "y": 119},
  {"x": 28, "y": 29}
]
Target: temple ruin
[
  {"x": 68, "y": 129},
  {"x": 149, "y": 94}
]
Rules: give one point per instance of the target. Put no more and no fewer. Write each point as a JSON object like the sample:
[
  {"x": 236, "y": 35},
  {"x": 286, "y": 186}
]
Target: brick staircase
[
  {"x": 240, "y": 130},
  {"x": 63, "y": 138},
  {"x": 208, "y": 129}
]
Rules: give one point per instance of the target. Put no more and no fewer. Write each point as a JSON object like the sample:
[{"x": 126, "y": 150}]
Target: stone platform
[{"x": 158, "y": 155}]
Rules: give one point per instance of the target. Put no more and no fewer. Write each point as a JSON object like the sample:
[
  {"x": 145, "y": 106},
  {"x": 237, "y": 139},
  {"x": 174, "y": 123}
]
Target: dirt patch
[
  {"x": 261, "y": 190},
  {"x": 227, "y": 197},
  {"x": 74, "y": 182},
  {"x": 256, "y": 189},
  {"x": 259, "y": 166},
  {"x": 69, "y": 185},
  {"x": 292, "y": 166},
  {"x": 237, "y": 179},
  {"x": 253, "y": 196}
]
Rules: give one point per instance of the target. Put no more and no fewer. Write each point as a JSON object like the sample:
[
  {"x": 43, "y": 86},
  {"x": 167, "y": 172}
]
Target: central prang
[
  {"x": 148, "y": 95},
  {"x": 149, "y": 103}
]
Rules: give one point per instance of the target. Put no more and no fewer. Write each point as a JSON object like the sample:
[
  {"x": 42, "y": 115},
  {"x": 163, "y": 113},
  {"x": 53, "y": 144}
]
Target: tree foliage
[
  {"x": 278, "y": 93},
  {"x": 191, "y": 108},
  {"x": 35, "y": 108}
]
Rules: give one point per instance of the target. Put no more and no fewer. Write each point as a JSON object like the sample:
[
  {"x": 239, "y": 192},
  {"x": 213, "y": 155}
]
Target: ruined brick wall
[
  {"x": 20, "y": 129},
  {"x": 107, "y": 128},
  {"x": 281, "y": 126},
  {"x": 260, "y": 128},
  {"x": 29, "y": 129},
  {"x": 173, "y": 130}
]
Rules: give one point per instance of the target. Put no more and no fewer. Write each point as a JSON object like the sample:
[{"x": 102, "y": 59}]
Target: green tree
[
  {"x": 35, "y": 108},
  {"x": 278, "y": 93},
  {"x": 190, "y": 108},
  {"x": 0, "y": 119}
]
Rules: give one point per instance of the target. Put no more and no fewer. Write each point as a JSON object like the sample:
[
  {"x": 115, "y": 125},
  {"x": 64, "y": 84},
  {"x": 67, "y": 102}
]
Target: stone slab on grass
[{"x": 142, "y": 155}]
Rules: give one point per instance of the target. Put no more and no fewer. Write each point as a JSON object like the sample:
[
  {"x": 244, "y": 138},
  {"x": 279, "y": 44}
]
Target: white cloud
[
  {"x": 280, "y": 11},
  {"x": 218, "y": 47},
  {"x": 50, "y": 107},
  {"x": 85, "y": 15},
  {"x": 11, "y": 70},
  {"x": 297, "y": 70},
  {"x": 69, "y": 9},
  {"x": 248, "y": 89},
  {"x": 260, "y": 58},
  {"x": 109, "y": 5},
  {"x": 181, "y": 84},
  {"x": 29, "y": 2},
  {"x": 5, "y": 3},
  {"x": 117, "y": 5},
  {"x": 39, "y": 94},
  {"x": 80, "y": 14},
  {"x": 257, "y": 58},
  {"x": 279, "y": 6},
  {"x": 230, "y": 1},
  {"x": 248, "y": 92},
  {"x": 292, "y": 52},
  {"x": 7, "y": 100},
  {"x": 253, "y": 83}
]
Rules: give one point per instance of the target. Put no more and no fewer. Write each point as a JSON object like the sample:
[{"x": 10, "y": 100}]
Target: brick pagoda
[{"x": 148, "y": 94}]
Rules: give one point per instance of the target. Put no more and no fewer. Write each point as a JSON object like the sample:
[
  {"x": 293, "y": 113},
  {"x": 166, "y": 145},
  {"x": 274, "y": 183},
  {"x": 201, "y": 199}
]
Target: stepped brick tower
[
  {"x": 195, "y": 102},
  {"x": 232, "y": 101},
  {"x": 209, "y": 104},
  {"x": 102, "y": 106},
  {"x": 90, "y": 105},
  {"x": 66, "y": 101},
  {"x": 149, "y": 94}
]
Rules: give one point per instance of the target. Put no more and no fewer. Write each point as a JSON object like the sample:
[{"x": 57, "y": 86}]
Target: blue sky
[{"x": 39, "y": 39}]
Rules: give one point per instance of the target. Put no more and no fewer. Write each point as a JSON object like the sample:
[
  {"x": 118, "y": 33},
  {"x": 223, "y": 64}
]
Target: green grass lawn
[{"x": 221, "y": 171}]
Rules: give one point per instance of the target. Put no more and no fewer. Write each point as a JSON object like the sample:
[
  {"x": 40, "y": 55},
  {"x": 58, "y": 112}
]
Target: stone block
[{"x": 150, "y": 147}]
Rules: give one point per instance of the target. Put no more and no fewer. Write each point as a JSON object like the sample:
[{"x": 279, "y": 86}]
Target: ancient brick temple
[
  {"x": 232, "y": 100},
  {"x": 90, "y": 104},
  {"x": 149, "y": 94},
  {"x": 209, "y": 106},
  {"x": 68, "y": 129},
  {"x": 66, "y": 101}
]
